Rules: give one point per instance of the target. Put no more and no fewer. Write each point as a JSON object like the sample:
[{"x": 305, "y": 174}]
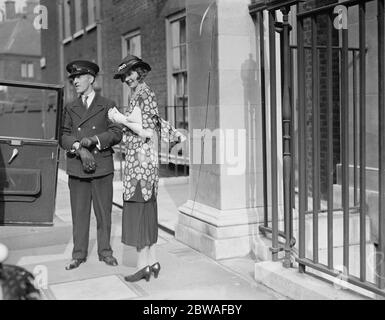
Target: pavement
[{"x": 186, "y": 274}]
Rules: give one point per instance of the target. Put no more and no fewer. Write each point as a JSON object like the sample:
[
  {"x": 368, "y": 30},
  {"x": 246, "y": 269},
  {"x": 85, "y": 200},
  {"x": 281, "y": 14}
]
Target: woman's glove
[{"x": 181, "y": 137}]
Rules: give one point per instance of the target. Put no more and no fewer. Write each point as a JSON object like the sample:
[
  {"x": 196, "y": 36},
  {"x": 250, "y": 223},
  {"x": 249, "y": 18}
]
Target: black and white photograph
[{"x": 192, "y": 157}]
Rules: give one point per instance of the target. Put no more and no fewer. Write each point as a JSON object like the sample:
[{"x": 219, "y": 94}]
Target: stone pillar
[{"x": 226, "y": 196}]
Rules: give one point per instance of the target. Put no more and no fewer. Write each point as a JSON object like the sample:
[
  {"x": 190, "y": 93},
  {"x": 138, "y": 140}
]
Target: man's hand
[
  {"x": 88, "y": 142},
  {"x": 88, "y": 160}
]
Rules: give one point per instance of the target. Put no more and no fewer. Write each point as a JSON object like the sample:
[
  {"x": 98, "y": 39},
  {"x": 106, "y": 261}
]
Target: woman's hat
[
  {"x": 79, "y": 67},
  {"x": 128, "y": 63}
]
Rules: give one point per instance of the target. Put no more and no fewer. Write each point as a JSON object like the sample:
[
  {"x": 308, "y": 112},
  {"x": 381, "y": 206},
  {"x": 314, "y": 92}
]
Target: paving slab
[
  {"x": 300, "y": 286},
  {"x": 186, "y": 274}
]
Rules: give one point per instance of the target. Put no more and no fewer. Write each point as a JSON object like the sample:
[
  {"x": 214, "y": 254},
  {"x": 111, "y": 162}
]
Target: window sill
[
  {"x": 67, "y": 40},
  {"x": 78, "y": 34},
  {"x": 91, "y": 27}
]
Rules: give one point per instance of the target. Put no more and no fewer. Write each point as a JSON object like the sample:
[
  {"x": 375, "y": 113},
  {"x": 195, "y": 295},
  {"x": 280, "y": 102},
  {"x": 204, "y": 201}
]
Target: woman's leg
[
  {"x": 151, "y": 258},
  {"x": 142, "y": 258},
  {"x": 143, "y": 270},
  {"x": 153, "y": 262}
]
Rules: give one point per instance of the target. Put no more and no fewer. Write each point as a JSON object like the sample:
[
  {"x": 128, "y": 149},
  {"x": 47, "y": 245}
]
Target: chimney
[{"x": 10, "y": 9}]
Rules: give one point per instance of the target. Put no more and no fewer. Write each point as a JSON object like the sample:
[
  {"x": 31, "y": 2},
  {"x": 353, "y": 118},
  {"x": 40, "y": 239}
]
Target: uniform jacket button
[
  {"x": 93, "y": 128},
  {"x": 79, "y": 129}
]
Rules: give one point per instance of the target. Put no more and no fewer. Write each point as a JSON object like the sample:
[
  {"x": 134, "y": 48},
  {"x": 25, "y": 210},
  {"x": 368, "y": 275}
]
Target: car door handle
[{"x": 13, "y": 156}]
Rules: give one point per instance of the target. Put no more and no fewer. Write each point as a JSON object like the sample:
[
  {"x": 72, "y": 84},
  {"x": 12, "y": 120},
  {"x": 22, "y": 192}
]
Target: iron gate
[{"x": 333, "y": 135}]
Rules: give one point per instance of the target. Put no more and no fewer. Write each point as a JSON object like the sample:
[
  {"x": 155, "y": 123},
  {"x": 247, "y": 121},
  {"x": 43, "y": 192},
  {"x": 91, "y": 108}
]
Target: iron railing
[{"x": 325, "y": 94}]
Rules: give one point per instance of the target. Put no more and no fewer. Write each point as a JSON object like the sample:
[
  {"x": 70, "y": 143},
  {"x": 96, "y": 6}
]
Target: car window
[{"x": 28, "y": 113}]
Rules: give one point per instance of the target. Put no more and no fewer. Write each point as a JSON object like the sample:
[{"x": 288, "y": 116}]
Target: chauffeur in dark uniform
[{"x": 87, "y": 136}]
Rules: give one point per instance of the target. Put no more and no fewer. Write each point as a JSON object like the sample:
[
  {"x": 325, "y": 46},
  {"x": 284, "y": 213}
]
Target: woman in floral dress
[{"x": 141, "y": 172}]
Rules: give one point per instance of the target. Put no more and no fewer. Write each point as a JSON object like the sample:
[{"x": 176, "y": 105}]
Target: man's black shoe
[
  {"x": 110, "y": 260},
  {"x": 75, "y": 263}
]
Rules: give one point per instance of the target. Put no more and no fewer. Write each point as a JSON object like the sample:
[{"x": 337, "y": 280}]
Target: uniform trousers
[{"x": 83, "y": 191}]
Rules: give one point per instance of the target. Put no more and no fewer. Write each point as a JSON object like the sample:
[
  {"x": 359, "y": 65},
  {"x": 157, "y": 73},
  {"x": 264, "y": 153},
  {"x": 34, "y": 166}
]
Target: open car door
[{"x": 30, "y": 116}]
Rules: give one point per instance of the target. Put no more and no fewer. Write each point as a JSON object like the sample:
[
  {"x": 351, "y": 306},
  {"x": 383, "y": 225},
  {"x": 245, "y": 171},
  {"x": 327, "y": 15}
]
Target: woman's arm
[
  {"x": 133, "y": 121},
  {"x": 169, "y": 133}
]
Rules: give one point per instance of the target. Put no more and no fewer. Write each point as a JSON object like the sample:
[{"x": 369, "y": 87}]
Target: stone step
[
  {"x": 371, "y": 207},
  {"x": 371, "y": 175},
  {"x": 262, "y": 251},
  {"x": 354, "y": 229},
  {"x": 354, "y": 260},
  {"x": 301, "y": 286},
  {"x": 337, "y": 195}
]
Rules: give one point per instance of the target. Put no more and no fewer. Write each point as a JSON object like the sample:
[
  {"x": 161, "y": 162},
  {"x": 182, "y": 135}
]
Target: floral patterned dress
[
  {"x": 141, "y": 162},
  {"x": 141, "y": 172}
]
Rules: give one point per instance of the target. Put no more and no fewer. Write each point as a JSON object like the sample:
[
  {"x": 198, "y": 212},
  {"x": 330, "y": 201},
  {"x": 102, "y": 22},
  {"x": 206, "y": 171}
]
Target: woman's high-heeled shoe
[
  {"x": 144, "y": 273},
  {"x": 155, "y": 268}
]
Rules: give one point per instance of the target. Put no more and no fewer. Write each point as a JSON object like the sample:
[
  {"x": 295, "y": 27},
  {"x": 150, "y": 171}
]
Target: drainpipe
[
  {"x": 60, "y": 40},
  {"x": 99, "y": 41}
]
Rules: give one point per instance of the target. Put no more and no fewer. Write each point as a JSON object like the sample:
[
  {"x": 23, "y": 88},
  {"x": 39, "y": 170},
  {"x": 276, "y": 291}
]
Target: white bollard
[{"x": 3, "y": 253}]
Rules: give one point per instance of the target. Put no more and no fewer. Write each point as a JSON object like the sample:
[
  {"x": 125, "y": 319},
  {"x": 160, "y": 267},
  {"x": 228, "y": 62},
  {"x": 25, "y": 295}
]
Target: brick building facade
[
  {"x": 147, "y": 18},
  {"x": 323, "y": 103},
  {"x": 68, "y": 37},
  {"x": 104, "y": 41}
]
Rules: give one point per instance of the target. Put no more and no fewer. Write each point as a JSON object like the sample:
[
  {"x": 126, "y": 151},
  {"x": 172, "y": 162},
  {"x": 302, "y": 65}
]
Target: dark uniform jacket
[{"x": 78, "y": 122}]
